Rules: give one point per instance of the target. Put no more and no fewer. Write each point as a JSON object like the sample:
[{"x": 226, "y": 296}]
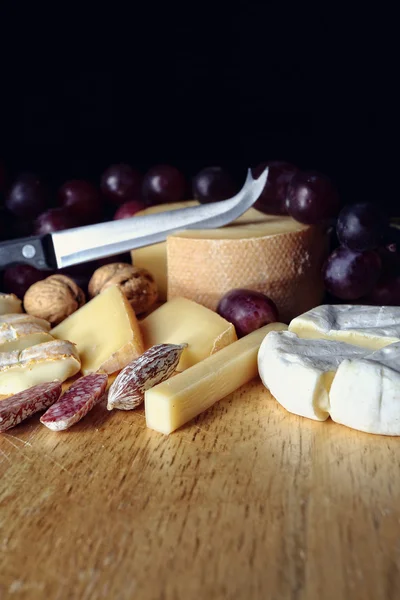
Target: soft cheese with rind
[
  {"x": 365, "y": 394},
  {"x": 50, "y": 361},
  {"x": 17, "y": 318},
  {"x": 369, "y": 326},
  {"x": 10, "y": 303},
  {"x": 18, "y": 335},
  {"x": 299, "y": 372},
  {"x": 184, "y": 321},
  {"x": 105, "y": 331}
]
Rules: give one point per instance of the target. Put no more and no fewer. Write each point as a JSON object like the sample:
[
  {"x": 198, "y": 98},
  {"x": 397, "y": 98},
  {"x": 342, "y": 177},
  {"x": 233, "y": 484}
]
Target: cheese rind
[
  {"x": 105, "y": 331},
  {"x": 174, "y": 402},
  {"x": 365, "y": 393},
  {"x": 20, "y": 335},
  {"x": 183, "y": 321},
  {"x": 9, "y": 303},
  {"x": 277, "y": 256},
  {"x": 371, "y": 327},
  {"x": 299, "y": 372}
]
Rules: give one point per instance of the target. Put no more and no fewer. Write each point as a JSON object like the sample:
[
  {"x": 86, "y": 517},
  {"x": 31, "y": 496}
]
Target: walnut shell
[
  {"x": 54, "y": 298},
  {"x": 137, "y": 284}
]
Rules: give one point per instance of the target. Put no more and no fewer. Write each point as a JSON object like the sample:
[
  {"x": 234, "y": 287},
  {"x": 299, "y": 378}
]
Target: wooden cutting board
[{"x": 246, "y": 502}]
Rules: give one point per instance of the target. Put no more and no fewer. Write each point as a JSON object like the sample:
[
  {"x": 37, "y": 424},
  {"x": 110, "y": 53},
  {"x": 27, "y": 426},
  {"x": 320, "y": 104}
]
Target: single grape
[
  {"x": 163, "y": 184},
  {"x": 27, "y": 196},
  {"x": 213, "y": 184},
  {"x": 385, "y": 293},
  {"x": 311, "y": 198},
  {"x": 17, "y": 279},
  {"x": 128, "y": 209},
  {"x": 361, "y": 226},
  {"x": 349, "y": 274},
  {"x": 120, "y": 183},
  {"x": 54, "y": 219},
  {"x": 82, "y": 199},
  {"x": 248, "y": 310},
  {"x": 273, "y": 197}
]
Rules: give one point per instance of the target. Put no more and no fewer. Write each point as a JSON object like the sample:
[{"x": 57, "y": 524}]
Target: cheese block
[
  {"x": 9, "y": 303},
  {"x": 368, "y": 326},
  {"x": 22, "y": 334},
  {"x": 183, "y": 321},
  {"x": 365, "y": 393},
  {"x": 50, "y": 361},
  {"x": 177, "y": 400},
  {"x": 105, "y": 331},
  {"x": 275, "y": 255},
  {"x": 154, "y": 257},
  {"x": 299, "y": 373}
]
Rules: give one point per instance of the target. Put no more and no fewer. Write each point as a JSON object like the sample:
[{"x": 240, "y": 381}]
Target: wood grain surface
[{"x": 245, "y": 502}]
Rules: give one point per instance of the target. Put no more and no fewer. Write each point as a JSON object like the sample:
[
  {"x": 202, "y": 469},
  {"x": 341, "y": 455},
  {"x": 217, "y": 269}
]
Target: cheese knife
[{"x": 90, "y": 242}]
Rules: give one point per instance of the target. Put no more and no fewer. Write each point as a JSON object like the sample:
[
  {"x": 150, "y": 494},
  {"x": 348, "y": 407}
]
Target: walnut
[
  {"x": 54, "y": 298},
  {"x": 138, "y": 285}
]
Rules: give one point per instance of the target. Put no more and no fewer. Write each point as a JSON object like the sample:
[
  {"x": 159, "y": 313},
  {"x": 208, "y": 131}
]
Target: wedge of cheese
[
  {"x": 365, "y": 393},
  {"x": 371, "y": 327},
  {"x": 22, "y": 334},
  {"x": 299, "y": 373},
  {"x": 105, "y": 331},
  {"x": 181, "y": 320},
  {"x": 176, "y": 401},
  {"x": 9, "y": 303},
  {"x": 50, "y": 361}
]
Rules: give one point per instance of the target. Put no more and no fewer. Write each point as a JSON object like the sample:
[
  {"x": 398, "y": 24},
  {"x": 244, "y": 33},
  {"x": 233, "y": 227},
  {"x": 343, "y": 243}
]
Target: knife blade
[{"x": 82, "y": 244}]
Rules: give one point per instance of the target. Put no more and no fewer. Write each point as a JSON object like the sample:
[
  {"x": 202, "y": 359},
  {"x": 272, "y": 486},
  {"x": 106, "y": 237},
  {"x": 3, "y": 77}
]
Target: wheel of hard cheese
[{"x": 274, "y": 255}]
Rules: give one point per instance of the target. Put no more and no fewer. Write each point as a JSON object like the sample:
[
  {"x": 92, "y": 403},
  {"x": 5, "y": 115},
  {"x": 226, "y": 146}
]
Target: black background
[{"x": 194, "y": 86}]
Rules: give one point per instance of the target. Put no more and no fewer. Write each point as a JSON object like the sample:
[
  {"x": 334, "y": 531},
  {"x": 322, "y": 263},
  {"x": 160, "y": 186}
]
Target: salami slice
[
  {"x": 76, "y": 402},
  {"x": 16, "y": 408}
]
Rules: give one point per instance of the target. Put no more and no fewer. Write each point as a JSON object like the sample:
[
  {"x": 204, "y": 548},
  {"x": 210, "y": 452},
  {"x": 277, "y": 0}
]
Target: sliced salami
[
  {"x": 16, "y": 408},
  {"x": 76, "y": 402}
]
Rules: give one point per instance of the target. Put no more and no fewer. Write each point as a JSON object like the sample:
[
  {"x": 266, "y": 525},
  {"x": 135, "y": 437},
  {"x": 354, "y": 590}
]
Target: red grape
[
  {"x": 19, "y": 278},
  {"x": 54, "y": 219},
  {"x": 128, "y": 209},
  {"x": 385, "y": 293},
  {"x": 248, "y": 310},
  {"x": 120, "y": 183},
  {"x": 213, "y": 184},
  {"x": 361, "y": 226},
  {"x": 349, "y": 274},
  {"x": 81, "y": 198},
  {"x": 273, "y": 197},
  {"x": 163, "y": 184},
  {"x": 311, "y": 198},
  {"x": 27, "y": 196}
]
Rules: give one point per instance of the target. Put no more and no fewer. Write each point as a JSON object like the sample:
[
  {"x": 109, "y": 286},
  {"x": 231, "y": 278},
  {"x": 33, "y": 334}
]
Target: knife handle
[{"x": 35, "y": 251}]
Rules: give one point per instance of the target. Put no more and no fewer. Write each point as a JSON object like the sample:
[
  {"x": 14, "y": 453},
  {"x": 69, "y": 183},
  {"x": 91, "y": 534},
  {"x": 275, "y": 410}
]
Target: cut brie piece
[
  {"x": 365, "y": 393},
  {"x": 13, "y": 319},
  {"x": 21, "y": 334},
  {"x": 183, "y": 321},
  {"x": 372, "y": 327},
  {"x": 299, "y": 372},
  {"x": 9, "y": 303},
  {"x": 50, "y": 361}
]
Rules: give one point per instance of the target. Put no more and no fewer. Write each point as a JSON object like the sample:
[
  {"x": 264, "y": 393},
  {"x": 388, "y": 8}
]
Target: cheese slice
[
  {"x": 17, "y": 318},
  {"x": 365, "y": 393},
  {"x": 299, "y": 373},
  {"x": 105, "y": 331},
  {"x": 154, "y": 257},
  {"x": 21, "y": 334},
  {"x": 9, "y": 303},
  {"x": 50, "y": 361},
  {"x": 176, "y": 401},
  {"x": 369, "y": 326},
  {"x": 183, "y": 321},
  {"x": 275, "y": 255}
]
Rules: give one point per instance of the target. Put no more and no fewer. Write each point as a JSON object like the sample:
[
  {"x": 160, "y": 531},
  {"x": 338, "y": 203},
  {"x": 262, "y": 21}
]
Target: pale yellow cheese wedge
[
  {"x": 105, "y": 331},
  {"x": 20, "y": 335},
  {"x": 50, "y": 361},
  {"x": 174, "y": 402},
  {"x": 9, "y": 303},
  {"x": 183, "y": 321}
]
